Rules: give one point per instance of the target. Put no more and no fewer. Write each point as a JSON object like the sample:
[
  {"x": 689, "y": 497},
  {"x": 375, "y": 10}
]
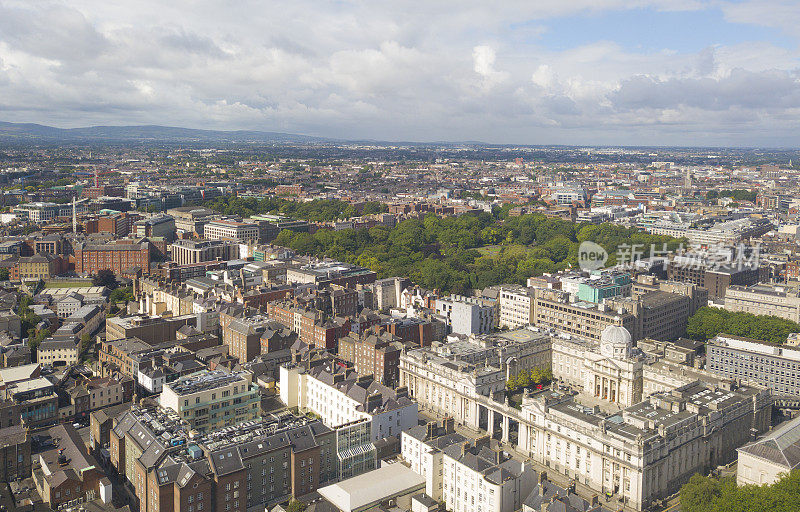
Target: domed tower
[{"x": 616, "y": 342}]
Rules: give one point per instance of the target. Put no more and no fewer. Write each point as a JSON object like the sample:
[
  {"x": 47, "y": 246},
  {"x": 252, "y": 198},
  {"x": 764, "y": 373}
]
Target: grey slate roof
[{"x": 781, "y": 446}]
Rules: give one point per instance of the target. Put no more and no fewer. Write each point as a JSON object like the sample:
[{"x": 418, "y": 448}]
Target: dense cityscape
[
  {"x": 317, "y": 325},
  {"x": 407, "y": 256}
]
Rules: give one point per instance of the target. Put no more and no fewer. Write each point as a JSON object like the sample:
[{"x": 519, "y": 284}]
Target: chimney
[
  {"x": 482, "y": 441},
  {"x": 542, "y": 477},
  {"x": 430, "y": 428},
  {"x": 594, "y": 501},
  {"x": 449, "y": 424}
]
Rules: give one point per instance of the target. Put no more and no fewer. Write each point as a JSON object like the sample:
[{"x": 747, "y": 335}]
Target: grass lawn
[
  {"x": 489, "y": 250},
  {"x": 68, "y": 284}
]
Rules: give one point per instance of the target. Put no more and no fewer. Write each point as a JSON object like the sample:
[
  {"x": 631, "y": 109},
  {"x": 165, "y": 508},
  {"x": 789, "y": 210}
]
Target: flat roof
[
  {"x": 31, "y": 385},
  {"x": 17, "y": 373},
  {"x": 362, "y": 491}
]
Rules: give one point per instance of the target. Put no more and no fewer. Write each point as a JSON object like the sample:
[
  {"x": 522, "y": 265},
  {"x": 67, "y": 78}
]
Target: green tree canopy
[
  {"x": 707, "y": 322},
  {"x": 707, "y": 494}
]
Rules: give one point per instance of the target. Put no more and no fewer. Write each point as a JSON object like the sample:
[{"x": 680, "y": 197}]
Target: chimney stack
[{"x": 430, "y": 429}]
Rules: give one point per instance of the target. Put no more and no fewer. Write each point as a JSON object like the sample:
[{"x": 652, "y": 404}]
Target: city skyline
[{"x": 679, "y": 73}]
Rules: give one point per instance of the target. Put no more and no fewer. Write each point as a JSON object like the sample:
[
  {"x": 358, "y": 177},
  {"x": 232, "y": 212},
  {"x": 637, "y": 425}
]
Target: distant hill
[{"x": 150, "y": 133}]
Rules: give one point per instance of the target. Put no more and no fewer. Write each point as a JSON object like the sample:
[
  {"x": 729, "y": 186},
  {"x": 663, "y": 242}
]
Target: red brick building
[
  {"x": 117, "y": 257},
  {"x": 412, "y": 330},
  {"x": 260, "y": 297},
  {"x": 101, "y": 191},
  {"x": 118, "y": 224},
  {"x": 372, "y": 353}
]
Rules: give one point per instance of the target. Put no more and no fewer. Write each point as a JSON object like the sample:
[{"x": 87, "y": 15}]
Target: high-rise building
[
  {"x": 466, "y": 315},
  {"x": 187, "y": 252},
  {"x": 231, "y": 230},
  {"x": 210, "y": 400},
  {"x": 516, "y": 306},
  {"x": 774, "y": 366}
]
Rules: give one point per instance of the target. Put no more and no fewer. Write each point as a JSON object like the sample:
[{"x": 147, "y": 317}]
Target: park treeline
[
  {"x": 320, "y": 210},
  {"x": 707, "y": 322},
  {"x": 710, "y": 494},
  {"x": 451, "y": 254}
]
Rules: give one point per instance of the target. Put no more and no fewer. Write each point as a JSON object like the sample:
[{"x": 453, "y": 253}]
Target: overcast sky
[{"x": 663, "y": 72}]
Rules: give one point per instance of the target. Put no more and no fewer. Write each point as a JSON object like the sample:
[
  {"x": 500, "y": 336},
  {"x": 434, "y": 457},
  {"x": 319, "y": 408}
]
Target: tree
[
  {"x": 295, "y": 506},
  {"x": 523, "y": 379},
  {"x": 708, "y": 322},
  {"x": 86, "y": 345},
  {"x": 124, "y": 294},
  {"x": 511, "y": 383},
  {"x": 105, "y": 277},
  {"x": 4, "y": 275},
  {"x": 710, "y": 494},
  {"x": 35, "y": 338},
  {"x": 29, "y": 319}
]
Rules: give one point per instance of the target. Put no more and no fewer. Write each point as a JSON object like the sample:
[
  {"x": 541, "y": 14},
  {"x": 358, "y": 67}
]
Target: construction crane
[
  {"x": 98, "y": 174},
  {"x": 75, "y": 202}
]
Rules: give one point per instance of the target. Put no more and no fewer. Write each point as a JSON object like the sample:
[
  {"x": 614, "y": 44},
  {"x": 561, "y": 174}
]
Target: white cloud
[
  {"x": 403, "y": 70},
  {"x": 483, "y": 61}
]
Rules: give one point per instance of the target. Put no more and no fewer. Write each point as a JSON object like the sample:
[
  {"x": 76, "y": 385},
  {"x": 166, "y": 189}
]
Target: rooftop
[
  {"x": 359, "y": 492},
  {"x": 781, "y": 446},
  {"x": 204, "y": 380}
]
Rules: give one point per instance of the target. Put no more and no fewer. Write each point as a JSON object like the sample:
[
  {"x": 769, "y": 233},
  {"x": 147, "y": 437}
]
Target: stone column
[
  {"x": 506, "y": 426},
  {"x": 475, "y": 420}
]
